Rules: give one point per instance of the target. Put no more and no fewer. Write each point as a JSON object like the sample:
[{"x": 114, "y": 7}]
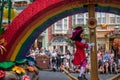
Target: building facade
[{"x": 106, "y": 22}]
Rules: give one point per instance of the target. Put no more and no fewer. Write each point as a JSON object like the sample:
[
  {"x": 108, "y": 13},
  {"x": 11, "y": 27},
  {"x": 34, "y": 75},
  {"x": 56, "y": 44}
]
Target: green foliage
[
  {"x": 87, "y": 37},
  {"x": 70, "y": 42},
  {"x": 82, "y": 25},
  {"x": 2, "y": 29}
]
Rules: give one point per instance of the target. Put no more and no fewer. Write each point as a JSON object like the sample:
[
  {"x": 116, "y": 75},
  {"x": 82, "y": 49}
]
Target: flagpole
[
  {"x": 1, "y": 16},
  {"x": 9, "y": 10}
]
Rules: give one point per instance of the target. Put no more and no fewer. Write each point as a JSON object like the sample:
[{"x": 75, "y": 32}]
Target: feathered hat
[{"x": 77, "y": 31}]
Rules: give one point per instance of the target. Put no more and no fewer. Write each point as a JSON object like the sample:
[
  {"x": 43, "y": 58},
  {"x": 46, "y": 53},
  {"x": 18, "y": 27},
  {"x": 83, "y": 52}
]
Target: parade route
[{"x": 50, "y": 75}]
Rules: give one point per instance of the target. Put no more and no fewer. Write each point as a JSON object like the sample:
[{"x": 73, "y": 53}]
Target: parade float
[{"x": 18, "y": 70}]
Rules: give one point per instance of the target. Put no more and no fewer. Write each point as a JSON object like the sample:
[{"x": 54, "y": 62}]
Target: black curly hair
[{"x": 78, "y": 38}]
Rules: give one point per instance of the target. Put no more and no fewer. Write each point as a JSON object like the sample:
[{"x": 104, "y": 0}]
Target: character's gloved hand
[{"x": 92, "y": 44}]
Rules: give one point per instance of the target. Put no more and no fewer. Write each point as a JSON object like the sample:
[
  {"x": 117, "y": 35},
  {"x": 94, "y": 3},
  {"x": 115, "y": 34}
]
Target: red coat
[{"x": 79, "y": 56}]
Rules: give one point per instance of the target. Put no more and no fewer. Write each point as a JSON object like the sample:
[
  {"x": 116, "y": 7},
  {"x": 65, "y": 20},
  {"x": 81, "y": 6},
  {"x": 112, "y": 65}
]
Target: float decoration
[
  {"x": 31, "y": 68},
  {"x": 104, "y": 26},
  {"x": 2, "y": 74},
  {"x": 21, "y": 61},
  {"x": 6, "y": 65},
  {"x": 19, "y": 70},
  {"x": 13, "y": 13},
  {"x": 2, "y": 49},
  {"x": 92, "y": 23},
  {"x": 25, "y": 77},
  {"x": 2, "y": 44}
]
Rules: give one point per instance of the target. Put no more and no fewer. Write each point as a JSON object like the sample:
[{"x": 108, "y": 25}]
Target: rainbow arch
[{"x": 38, "y": 16}]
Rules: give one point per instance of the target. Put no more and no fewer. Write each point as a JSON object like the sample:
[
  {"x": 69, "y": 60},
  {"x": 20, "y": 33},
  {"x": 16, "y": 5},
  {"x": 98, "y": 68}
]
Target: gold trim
[{"x": 92, "y": 26}]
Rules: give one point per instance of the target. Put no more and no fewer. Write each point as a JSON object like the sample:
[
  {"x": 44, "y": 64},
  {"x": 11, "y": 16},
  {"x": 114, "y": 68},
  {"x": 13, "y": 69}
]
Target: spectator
[
  {"x": 37, "y": 50},
  {"x": 68, "y": 56},
  {"x": 54, "y": 60},
  {"x": 59, "y": 60}
]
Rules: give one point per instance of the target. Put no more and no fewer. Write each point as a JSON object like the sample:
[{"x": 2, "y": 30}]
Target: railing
[
  {"x": 60, "y": 32},
  {"x": 116, "y": 77},
  {"x": 71, "y": 77}
]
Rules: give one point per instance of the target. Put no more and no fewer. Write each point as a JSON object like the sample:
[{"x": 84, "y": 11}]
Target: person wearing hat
[{"x": 80, "y": 56}]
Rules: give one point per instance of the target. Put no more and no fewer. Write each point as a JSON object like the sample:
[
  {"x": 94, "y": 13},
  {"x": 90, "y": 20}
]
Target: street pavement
[{"x": 50, "y": 75}]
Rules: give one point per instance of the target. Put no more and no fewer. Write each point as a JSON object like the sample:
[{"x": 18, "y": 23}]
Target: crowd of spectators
[{"x": 107, "y": 63}]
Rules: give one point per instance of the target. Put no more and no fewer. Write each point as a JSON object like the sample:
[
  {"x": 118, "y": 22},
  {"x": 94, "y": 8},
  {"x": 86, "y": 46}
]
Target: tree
[{"x": 70, "y": 42}]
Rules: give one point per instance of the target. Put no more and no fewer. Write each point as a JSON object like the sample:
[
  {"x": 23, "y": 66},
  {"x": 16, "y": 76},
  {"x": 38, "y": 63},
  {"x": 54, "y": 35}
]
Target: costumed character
[{"x": 80, "y": 56}]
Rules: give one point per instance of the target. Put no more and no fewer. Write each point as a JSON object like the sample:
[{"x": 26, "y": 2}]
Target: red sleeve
[
  {"x": 79, "y": 44},
  {"x": 86, "y": 45}
]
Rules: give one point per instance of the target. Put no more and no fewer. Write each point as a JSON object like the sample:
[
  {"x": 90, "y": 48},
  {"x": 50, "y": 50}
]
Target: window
[
  {"x": 61, "y": 49},
  {"x": 61, "y": 24},
  {"x": 80, "y": 15},
  {"x": 98, "y": 20},
  {"x": 112, "y": 18},
  {"x": 86, "y": 15},
  {"x": 65, "y": 21},
  {"x": 73, "y": 20},
  {"x": 59, "y": 39},
  {"x": 101, "y": 18},
  {"x": 78, "y": 19},
  {"x": 58, "y": 25},
  {"x": 118, "y": 19},
  {"x": 98, "y": 14}
]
